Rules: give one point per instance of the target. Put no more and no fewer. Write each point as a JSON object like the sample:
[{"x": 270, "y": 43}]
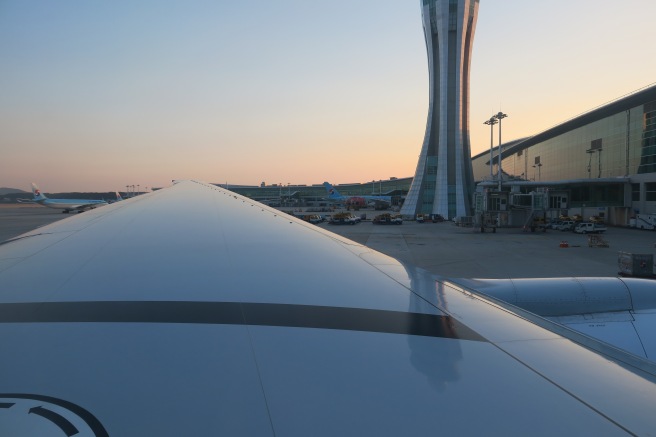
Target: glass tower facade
[
  {"x": 605, "y": 157},
  {"x": 443, "y": 182},
  {"x": 617, "y": 140}
]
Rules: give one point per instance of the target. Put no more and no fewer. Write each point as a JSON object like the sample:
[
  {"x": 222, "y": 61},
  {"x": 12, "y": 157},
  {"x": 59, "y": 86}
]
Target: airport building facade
[
  {"x": 600, "y": 163},
  {"x": 443, "y": 181}
]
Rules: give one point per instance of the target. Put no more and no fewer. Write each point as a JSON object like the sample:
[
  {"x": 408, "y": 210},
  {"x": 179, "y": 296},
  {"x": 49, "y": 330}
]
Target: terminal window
[
  {"x": 648, "y": 153},
  {"x": 557, "y": 202},
  {"x": 635, "y": 192},
  {"x": 650, "y": 191}
]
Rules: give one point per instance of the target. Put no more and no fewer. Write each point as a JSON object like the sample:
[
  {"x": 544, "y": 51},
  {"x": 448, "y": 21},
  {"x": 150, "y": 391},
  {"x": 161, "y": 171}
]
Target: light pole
[
  {"x": 599, "y": 162},
  {"x": 491, "y": 122},
  {"x": 538, "y": 165},
  {"x": 590, "y": 152},
  {"x": 500, "y": 116}
]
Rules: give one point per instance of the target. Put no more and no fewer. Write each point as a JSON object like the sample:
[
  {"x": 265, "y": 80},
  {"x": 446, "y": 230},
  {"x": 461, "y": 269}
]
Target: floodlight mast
[
  {"x": 491, "y": 122},
  {"x": 500, "y": 116}
]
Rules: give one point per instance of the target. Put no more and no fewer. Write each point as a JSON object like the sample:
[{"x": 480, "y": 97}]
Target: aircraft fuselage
[{"x": 71, "y": 204}]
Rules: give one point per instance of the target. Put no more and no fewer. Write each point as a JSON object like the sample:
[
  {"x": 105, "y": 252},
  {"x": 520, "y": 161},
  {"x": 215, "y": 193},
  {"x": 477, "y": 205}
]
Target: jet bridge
[
  {"x": 502, "y": 208},
  {"x": 532, "y": 206},
  {"x": 491, "y": 209}
]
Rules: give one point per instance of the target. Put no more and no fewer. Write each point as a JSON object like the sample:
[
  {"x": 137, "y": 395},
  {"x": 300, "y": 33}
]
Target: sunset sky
[{"x": 99, "y": 95}]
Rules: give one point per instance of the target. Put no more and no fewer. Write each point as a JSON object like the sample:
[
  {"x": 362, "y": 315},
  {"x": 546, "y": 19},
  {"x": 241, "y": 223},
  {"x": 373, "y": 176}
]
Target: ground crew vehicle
[
  {"x": 589, "y": 228},
  {"x": 567, "y": 225},
  {"x": 343, "y": 218},
  {"x": 313, "y": 218},
  {"x": 646, "y": 221},
  {"x": 437, "y": 218},
  {"x": 387, "y": 219}
]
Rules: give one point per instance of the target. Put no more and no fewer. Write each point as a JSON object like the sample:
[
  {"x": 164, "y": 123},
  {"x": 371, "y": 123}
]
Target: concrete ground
[
  {"x": 446, "y": 249},
  {"x": 456, "y": 252},
  {"x": 16, "y": 219}
]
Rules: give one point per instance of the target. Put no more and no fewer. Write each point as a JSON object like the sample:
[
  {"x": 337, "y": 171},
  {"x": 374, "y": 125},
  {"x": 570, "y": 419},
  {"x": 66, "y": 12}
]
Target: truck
[
  {"x": 589, "y": 228},
  {"x": 387, "y": 219},
  {"x": 312, "y": 218},
  {"x": 566, "y": 225},
  {"x": 645, "y": 221},
  {"x": 344, "y": 218}
]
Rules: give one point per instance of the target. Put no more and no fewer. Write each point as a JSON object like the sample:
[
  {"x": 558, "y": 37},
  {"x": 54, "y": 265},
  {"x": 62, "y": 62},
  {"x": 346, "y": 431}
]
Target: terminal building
[{"x": 601, "y": 163}]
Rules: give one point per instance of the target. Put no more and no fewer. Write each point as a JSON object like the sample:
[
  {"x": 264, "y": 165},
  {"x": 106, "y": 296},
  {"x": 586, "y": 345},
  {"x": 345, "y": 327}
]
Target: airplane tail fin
[
  {"x": 118, "y": 197},
  {"x": 332, "y": 191},
  {"x": 37, "y": 193}
]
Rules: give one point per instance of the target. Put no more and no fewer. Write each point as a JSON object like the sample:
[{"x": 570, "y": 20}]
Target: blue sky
[{"x": 99, "y": 95}]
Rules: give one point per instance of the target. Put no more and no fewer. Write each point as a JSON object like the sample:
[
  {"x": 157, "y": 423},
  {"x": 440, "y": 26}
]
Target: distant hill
[{"x": 5, "y": 190}]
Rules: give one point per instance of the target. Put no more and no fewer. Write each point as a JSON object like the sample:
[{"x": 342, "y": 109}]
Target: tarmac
[
  {"x": 464, "y": 252},
  {"x": 16, "y": 219},
  {"x": 444, "y": 248}
]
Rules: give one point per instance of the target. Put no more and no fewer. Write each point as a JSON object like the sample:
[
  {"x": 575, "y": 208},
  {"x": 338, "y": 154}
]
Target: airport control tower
[{"x": 444, "y": 182}]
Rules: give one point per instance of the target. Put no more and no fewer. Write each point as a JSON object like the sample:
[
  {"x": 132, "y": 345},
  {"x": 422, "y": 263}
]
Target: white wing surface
[{"x": 194, "y": 311}]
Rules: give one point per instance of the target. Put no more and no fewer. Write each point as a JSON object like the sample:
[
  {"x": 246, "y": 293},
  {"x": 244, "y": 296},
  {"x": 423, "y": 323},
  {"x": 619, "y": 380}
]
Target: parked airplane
[
  {"x": 66, "y": 205},
  {"x": 207, "y": 331},
  {"x": 333, "y": 194}
]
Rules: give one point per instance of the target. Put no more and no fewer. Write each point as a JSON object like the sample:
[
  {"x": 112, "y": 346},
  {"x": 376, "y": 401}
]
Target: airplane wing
[{"x": 195, "y": 311}]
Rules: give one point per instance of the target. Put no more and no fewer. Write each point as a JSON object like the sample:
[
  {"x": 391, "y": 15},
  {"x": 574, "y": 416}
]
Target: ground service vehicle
[
  {"x": 313, "y": 218},
  {"x": 437, "y": 218},
  {"x": 646, "y": 221},
  {"x": 567, "y": 225},
  {"x": 554, "y": 224},
  {"x": 387, "y": 219},
  {"x": 344, "y": 218},
  {"x": 589, "y": 228}
]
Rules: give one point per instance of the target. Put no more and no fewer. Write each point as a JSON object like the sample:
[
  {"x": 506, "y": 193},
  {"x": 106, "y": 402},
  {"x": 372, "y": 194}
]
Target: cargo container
[{"x": 636, "y": 264}]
